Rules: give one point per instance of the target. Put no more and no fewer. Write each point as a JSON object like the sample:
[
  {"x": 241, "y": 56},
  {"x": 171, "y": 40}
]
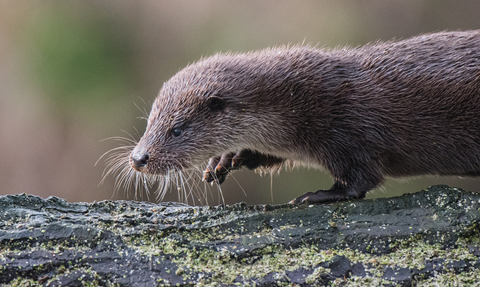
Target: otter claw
[
  {"x": 211, "y": 177},
  {"x": 218, "y": 168},
  {"x": 301, "y": 199}
]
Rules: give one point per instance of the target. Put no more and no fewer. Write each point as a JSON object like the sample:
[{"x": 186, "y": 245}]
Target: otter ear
[{"x": 216, "y": 103}]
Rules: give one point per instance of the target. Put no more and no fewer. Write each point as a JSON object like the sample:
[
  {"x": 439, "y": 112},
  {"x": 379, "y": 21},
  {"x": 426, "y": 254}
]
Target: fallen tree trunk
[{"x": 428, "y": 237}]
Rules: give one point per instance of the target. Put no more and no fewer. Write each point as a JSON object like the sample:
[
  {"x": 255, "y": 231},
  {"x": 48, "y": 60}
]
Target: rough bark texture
[{"x": 428, "y": 237}]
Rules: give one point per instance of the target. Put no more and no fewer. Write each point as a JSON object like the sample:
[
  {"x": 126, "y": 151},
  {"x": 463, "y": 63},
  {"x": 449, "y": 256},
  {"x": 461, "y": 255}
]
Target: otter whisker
[
  {"x": 220, "y": 192},
  {"x": 124, "y": 178},
  {"x": 162, "y": 187},
  {"x": 143, "y": 111},
  {"x": 176, "y": 183},
  {"x": 115, "y": 165},
  {"x": 131, "y": 136},
  {"x": 116, "y": 152},
  {"x": 194, "y": 187},
  {"x": 185, "y": 187},
  {"x": 130, "y": 140},
  {"x": 216, "y": 183},
  {"x": 196, "y": 183},
  {"x": 239, "y": 185},
  {"x": 181, "y": 187},
  {"x": 140, "y": 181}
]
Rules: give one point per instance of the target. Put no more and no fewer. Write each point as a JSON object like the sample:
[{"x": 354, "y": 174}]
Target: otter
[{"x": 386, "y": 109}]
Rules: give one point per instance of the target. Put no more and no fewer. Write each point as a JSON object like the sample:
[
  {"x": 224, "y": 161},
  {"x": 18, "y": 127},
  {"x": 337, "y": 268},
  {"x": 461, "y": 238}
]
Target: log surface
[{"x": 428, "y": 237}]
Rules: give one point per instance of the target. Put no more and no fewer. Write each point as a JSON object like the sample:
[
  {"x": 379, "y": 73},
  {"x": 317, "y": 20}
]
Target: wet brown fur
[{"x": 396, "y": 109}]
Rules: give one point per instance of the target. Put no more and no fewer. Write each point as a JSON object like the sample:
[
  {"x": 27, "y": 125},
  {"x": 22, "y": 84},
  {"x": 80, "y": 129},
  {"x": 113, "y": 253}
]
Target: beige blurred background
[{"x": 72, "y": 74}]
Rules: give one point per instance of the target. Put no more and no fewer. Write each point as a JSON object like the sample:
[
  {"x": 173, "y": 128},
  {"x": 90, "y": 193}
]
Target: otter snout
[{"x": 139, "y": 159}]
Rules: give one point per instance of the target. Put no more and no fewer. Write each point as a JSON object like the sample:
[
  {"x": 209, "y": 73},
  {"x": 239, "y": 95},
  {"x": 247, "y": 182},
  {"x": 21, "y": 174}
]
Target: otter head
[{"x": 191, "y": 120}]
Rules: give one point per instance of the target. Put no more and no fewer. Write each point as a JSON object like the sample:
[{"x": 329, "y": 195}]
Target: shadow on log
[{"x": 429, "y": 237}]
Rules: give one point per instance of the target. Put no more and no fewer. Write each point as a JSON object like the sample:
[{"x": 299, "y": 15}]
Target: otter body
[{"x": 396, "y": 109}]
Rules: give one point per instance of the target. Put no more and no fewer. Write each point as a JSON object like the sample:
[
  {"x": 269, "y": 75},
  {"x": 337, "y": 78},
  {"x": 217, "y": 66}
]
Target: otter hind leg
[
  {"x": 340, "y": 191},
  {"x": 337, "y": 192},
  {"x": 219, "y": 167}
]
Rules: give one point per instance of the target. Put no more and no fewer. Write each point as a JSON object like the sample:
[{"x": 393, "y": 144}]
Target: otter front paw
[{"x": 219, "y": 167}]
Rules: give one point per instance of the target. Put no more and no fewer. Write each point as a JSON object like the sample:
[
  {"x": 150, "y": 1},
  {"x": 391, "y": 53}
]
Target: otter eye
[{"x": 176, "y": 132}]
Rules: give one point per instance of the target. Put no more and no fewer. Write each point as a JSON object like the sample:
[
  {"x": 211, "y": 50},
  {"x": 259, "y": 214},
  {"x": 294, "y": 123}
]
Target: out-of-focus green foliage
[{"x": 82, "y": 60}]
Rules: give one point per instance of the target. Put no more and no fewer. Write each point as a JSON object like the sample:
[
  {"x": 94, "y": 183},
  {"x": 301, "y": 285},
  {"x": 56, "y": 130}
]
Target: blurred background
[{"x": 73, "y": 73}]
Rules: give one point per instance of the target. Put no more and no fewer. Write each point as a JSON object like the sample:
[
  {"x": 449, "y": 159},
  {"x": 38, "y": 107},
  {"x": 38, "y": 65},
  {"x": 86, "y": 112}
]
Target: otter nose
[{"x": 139, "y": 160}]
